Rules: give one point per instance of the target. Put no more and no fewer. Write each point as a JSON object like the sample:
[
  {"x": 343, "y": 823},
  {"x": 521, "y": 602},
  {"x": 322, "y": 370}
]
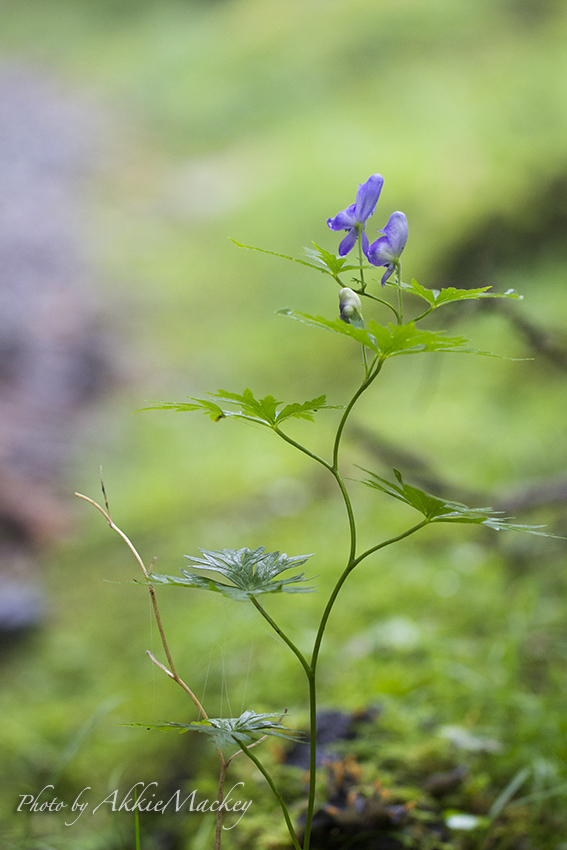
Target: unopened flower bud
[{"x": 350, "y": 307}]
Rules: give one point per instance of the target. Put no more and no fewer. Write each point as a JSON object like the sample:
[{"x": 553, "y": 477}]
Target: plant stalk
[{"x": 270, "y": 781}]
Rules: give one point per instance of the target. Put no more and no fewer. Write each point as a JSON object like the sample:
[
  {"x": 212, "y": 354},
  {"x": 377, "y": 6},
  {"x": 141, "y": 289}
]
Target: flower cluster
[{"x": 386, "y": 250}]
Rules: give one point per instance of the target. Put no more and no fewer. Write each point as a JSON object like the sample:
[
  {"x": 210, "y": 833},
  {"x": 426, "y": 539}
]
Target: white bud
[{"x": 350, "y": 306}]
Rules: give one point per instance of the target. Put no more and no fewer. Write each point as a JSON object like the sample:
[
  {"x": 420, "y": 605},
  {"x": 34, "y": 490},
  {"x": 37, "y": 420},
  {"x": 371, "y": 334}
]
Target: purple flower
[
  {"x": 354, "y": 217},
  {"x": 386, "y": 250}
]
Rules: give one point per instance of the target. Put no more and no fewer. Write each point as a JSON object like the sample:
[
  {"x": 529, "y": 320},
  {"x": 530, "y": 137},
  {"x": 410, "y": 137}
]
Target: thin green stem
[
  {"x": 374, "y": 371},
  {"x": 365, "y": 360},
  {"x": 277, "y": 795},
  {"x": 423, "y": 315},
  {"x": 372, "y": 365},
  {"x": 332, "y": 469},
  {"x": 360, "y": 255},
  {"x": 353, "y": 562},
  {"x": 301, "y": 448},
  {"x": 312, "y": 757},
  {"x": 381, "y": 301},
  {"x": 136, "y": 821},
  {"x": 364, "y": 386},
  {"x": 400, "y": 297},
  {"x": 283, "y": 636},
  {"x": 371, "y": 374},
  {"x": 388, "y": 542},
  {"x": 349, "y": 510}
]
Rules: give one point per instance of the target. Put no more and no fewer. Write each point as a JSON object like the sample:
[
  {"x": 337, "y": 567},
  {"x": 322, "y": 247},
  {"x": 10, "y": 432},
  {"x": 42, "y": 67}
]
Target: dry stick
[
  {"x": 172, "y": 673},
  {"x": 103, "y": 488},
  {"x": 255, "y": 744},
  {"x": 222, "y": 777},
  {"x": 218, "y": 829},
  {"x": 220, "y": 795}
]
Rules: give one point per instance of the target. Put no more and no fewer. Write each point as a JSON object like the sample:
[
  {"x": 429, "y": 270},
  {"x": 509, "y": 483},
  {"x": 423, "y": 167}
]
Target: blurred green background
[{"x": 257, "y": 120}]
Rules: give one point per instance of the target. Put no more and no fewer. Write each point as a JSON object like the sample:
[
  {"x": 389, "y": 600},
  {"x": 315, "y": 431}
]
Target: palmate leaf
[
  {"x": 207, "y": 407},
  {"x": 389, "y": 340},
  {"x": 323, "y": 261},
  {"x": 316, "y": 266},
  {"x": 331, "y": 262},
  {"x": 252, "y": 572},
  {"x": 435, "y": 509},
  {"x": 437, "y": 297},
  {"x": 262, "y": 410},
  {"x": 259, "y": 409},
  {"x": 227, "y": 731}
]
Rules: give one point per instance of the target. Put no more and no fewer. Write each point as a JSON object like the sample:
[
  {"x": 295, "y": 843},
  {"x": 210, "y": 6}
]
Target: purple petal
[
  {"x": 367, "y": 197},
  {"x": 365, "y": 243},
  {"x": 397, "y": 232},
  {"x": 380, "y": 252},
  {"x": 343, "y": 220},
  {"x": 389, "y": 269},
  {"x": 348, "y": 242}
]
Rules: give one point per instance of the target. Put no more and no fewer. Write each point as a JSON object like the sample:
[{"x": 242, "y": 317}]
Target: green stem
[
  {"x": 423, "y": 315},
  {"x": 353, "y": 562},
  {"x": 310, "y": 670},
  {"x": 391, "y": 540},
  {"x": 136, "y": 821},
  {"x": 372, "y": 365},
  {"x": 283, "y": 636},
  {"x": 360, "y": 260},
  {"x": 349, "y": 510},
  {"x": 365, "y": 361},
  {"x": 277, "y": 795},
  {"x": 312, "y": 757},
  {"x": 301, "y": 448},
  {"x": 382, "y": 301},
  {"x": 400, "y": 298},
  {"x": 364, "y": 386}
]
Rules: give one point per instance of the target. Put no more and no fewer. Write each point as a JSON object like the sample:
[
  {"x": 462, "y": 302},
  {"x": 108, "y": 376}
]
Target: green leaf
[
  {"x": 265, "y": 410},
  {"x": 258, "y": 409},
  {"x": 282, "y": 256},
  {"x": 437, "y": 297},
  {"x": 323, "y": 261},
  {"x": 262, "y": 410},
  {"x": 305, "y": 410},
  {"x": 331, "y": 262},
  {"x": 436, "y": 509},
  {"x": 251, "y": 571},
  {"x": 336, "y": 325},
  {"x": 390, "y": 340},
  {"x": 408, "y": 339},
  {"x": 202, "y": 404},
  {"x": 201, "y": 583},
  {"x": 227, "y": 731}
]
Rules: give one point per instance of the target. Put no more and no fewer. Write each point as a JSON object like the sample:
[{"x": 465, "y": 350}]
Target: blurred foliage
[{"x": 257, "y": 120}]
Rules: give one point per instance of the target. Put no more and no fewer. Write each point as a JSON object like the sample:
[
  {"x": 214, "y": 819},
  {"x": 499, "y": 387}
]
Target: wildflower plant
[{"x": 249, "y": 576}]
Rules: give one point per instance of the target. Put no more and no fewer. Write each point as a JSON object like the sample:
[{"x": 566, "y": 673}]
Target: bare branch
[
  {"x": 172, "y": 672},
  {"x": 159, "y": 664},
  {"x": 104, "y": 492}
]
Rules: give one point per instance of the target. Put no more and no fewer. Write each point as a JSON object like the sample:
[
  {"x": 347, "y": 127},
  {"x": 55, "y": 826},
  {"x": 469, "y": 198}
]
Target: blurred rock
[{"x": 52, "y": 361}]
